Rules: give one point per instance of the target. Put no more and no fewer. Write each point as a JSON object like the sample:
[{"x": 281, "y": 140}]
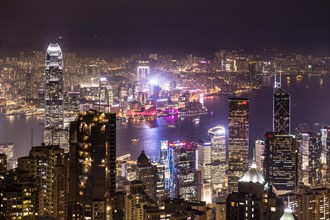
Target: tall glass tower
[
  {"x": 238, "y": 143},
  {"x": 53, "y": 95},
  {"x": 281, "y": 109}
]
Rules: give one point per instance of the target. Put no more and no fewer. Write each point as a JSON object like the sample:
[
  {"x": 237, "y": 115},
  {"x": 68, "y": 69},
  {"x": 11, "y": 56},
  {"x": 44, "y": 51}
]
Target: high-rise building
[
  {"x": 281, "y": 109},
  {"x": 238, "y": 142},
  {"x": 281, "y": 165},
  {"x": 42, "y": 168},
  {"x": 325, "y": 139},
  {"x": 182, "y": 165},
  {"x": 146, "y": 172},
  {"x": 204, "y": 159},
  {"x": 92, "y": 165},
  {"x": 54, "y": 118},
  {"x": 255, "y": 199},
  {"x": 259, "y": 153},
  {"x": 218, "y": 143},
  {"x": 311, "y": 203}
]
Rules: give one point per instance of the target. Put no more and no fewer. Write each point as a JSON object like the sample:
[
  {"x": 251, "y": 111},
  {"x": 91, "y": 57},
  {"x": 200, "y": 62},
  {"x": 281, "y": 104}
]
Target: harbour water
[{"x": 310, "y": 101}]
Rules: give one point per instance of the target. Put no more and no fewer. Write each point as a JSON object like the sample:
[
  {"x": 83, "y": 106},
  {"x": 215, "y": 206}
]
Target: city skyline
[{"x": 163, "y": 110}]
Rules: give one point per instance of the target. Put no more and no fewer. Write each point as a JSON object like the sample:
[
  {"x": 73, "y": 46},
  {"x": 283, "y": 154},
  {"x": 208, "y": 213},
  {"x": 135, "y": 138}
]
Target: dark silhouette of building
[
  {"x": 147, "y": 173},
  {"x": 92, "y": 165}
]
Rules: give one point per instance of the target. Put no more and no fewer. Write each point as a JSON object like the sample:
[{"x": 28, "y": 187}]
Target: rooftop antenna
[
  {"x": 277, "y": 84},
  {"x": 31, "y": 138}
]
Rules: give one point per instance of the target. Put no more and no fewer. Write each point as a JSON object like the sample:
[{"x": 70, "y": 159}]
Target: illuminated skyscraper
[
  {"x": 53, "y": 95},
  {"x": 238, "y": 143},
  {"x": 182, "y": 165},
  {"x": 281, "y": 109},
  {"x": 281, "y": 161},
  {"x": 92, "y": 165}
]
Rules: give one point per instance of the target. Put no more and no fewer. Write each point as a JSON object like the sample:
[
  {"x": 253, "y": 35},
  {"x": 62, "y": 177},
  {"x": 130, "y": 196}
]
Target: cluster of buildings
[{"x": 77, "y": 175}]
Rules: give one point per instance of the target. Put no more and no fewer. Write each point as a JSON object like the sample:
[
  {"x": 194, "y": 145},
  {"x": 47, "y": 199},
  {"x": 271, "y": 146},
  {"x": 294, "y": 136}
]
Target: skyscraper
[
  {"x": 238, "y": 143},
  {"x": 281, "y": 161},
  {"x": 146, "y": 172},
  {"x": 281, "y": 109},
  {"x": 53, "y": 95},
  {"x": 92, "y": 165}
]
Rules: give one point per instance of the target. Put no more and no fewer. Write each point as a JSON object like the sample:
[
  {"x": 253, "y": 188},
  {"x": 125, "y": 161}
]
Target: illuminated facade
[
  {"x": 260, "y": 153},
  {"x": 281, "y": 161},
  {"x": 311, "y": 203},
  {"x": 281, "y": 109},
  {"x": 54, "y": 118},
  {"x": 218, "y": 143},
  {"x": 182, "y": 165},
  {"x": 238, "y": 142},
  {"x": 92, "y": 165}
]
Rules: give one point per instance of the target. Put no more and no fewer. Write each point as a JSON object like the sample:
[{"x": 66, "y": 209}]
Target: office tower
[
  {"x": 28, "y": 85},
  {"x": 146, "y": 172},
  {"x": 53, "y": 95},
  {"x": 281, "y": 109},
  {"x": 311, "y": 203},
  {"x": 281, "y": 165},
  {"x": 254, "y": 200},
  {"x": 160, "y": 182},
  {"x": 259, "y": 153},
  {"x": 315, "y": 161},
  {"x": 164, "y": 160},
  {"x": 106, "y": 94},
  {"x": 325, "y": 139},
  {"x": 92, "y": 165},
  {"x": 303, "y": 134},
  {"x": 204, "y": 159},
  {"x": 41, "y": 168},
  {"x": 218, "y": 143},
  {"x": 219, "y": 163},
  {"x": 182, "y": 170},
  {"x": 238, "y": 142}
]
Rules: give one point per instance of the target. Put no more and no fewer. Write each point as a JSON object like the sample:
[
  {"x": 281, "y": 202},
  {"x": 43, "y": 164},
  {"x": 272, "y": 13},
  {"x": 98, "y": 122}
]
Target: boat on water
[
  {"x": 299, "y": 77},
  {"x": 196, "y": 120},
  {"x": 124, "y": 120},
  {"x": 135, "y": 140}
]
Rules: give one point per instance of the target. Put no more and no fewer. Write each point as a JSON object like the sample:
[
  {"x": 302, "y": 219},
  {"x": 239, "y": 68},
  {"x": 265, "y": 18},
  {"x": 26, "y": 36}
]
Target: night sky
[{"x": 177, "y": 27}]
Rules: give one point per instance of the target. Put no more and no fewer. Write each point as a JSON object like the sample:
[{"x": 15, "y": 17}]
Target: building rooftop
[{"x": 253, "y": 175}]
